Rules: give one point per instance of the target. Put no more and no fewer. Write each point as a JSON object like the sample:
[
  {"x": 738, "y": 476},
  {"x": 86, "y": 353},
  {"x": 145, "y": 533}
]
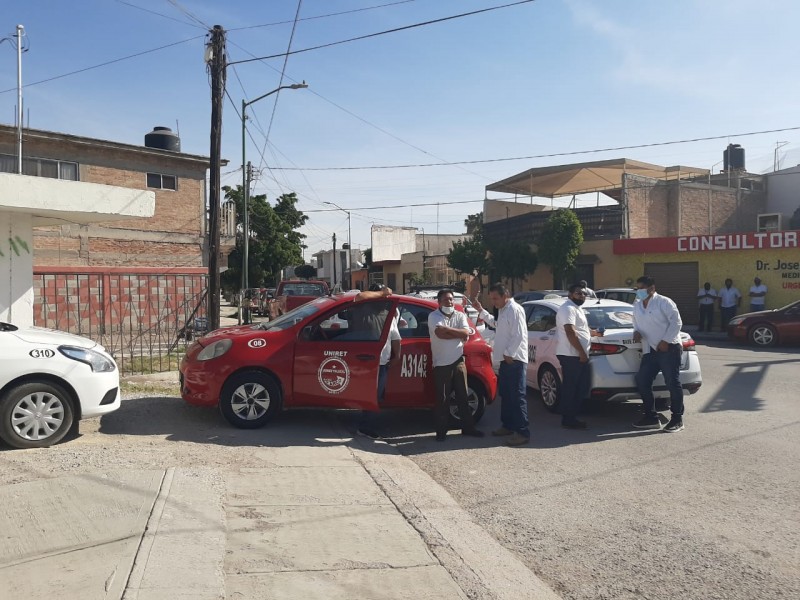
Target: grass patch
[
  {"x": 150, "y": 388},
  {"x": 146, "y": 365}
]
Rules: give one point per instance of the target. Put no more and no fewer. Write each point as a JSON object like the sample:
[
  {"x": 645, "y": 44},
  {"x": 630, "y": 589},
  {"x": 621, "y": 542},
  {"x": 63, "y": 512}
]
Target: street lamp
[
  {"x": 349, "y": 246},
  {"x": 245, "y": 186}
]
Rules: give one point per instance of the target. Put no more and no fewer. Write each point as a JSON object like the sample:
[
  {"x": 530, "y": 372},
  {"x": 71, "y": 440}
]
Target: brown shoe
[
  {"x": 517, "y": 440},
  {"x": 502, "y": 432}
]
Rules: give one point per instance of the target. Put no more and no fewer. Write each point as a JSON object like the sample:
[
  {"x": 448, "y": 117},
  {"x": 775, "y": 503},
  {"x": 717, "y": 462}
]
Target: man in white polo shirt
[
  {"x": 758, "y": 291},
  {"x": 729, "y": 300}
]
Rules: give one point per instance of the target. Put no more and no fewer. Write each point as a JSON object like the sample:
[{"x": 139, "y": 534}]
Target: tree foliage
[
  {"x": 469, "y": 256},
  {"x": 560, "y": 242},
  {"x": 275, "y": 241},
  {"x": 514, "y": 259},
  {"x": 305, "y": 271}
]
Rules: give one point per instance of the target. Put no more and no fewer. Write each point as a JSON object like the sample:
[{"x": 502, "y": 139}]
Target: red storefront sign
[{"x": 706, "y": 243}]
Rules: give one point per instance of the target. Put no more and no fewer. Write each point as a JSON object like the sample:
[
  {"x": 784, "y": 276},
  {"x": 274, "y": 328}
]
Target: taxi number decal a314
[
  {"x": 414, "y": 365},
  {"x": 42, "y": 353}
]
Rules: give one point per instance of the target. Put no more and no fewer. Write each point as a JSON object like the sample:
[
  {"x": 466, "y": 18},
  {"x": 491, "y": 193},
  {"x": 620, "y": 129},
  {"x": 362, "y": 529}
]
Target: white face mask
[{"x": 448, "y": 310}]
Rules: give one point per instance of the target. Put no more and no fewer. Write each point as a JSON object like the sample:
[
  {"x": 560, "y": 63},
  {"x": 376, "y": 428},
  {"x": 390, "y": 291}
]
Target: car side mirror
[{"x": 305, "y": 333}]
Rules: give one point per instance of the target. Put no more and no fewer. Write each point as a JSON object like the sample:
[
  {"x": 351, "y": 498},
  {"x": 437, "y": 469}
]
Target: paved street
[{"x": 711, "y": 512}]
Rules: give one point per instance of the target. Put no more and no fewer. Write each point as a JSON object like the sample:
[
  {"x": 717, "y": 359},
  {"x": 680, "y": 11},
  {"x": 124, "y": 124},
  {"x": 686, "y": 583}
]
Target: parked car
[
  {"x": 49, "y": 380},
  {"x": 321, "y": 354},
  {"x": 459, "y": 299},
  {"x": 614, "y": 356},
  {"x": 293, "y": 293},
  {"x": 521, "y": 297},
  {"x": 622, "y": 294},
  {"x": 767, "y": 328}
]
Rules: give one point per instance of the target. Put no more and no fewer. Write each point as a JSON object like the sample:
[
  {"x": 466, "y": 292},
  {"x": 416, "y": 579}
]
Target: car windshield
[
  {"x": 609, "y": 317},
  {"x": 293, "y": 317},
  {"x": 304, "y": 289}
]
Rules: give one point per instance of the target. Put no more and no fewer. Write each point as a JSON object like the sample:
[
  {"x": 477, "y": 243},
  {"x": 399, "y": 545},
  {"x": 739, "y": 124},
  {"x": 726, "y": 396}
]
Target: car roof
[
  {"x": 617, "y": 289},
  {"x": 555, "y": 303}
]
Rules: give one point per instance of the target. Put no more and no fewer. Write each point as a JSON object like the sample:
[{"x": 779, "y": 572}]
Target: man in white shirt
[
  {"x": 449, "y": 330},
  {"x": 573, "y": 341},
  {"x": 706, "y": 298},
  {"x": 589, "y": 291},
  {"x": 757, "y": 292},
  {"x": 510, "y": 350},
  {"x": 657, "y": 325},
  {"x": 729, "y": 299}
]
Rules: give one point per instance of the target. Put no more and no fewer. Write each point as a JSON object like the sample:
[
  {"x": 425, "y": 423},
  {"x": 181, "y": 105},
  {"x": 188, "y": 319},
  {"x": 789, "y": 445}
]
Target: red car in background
[
  {"x": 767, "y": 328},
  {"x": 325, "y": 354}
]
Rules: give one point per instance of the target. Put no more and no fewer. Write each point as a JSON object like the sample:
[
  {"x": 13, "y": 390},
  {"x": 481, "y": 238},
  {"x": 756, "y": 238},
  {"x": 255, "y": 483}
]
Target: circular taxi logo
[
  {"x": 257, "y": 343},
  {"x": 334, "y": 375}
]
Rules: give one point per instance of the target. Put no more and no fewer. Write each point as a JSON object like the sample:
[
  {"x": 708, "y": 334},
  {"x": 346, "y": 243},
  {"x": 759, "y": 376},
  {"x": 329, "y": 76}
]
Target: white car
[
  {"x": 614, "y": 356},
  {"x": 49, "y": 381},
  {"x": 458, "y": 299}
]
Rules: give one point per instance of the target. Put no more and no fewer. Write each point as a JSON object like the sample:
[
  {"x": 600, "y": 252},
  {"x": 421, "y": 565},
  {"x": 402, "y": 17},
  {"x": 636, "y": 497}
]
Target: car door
[
  {"x": 788, "y": 324},
  {"x": 338, "y": 367},
  {"x": 541, "y": 341},
  {"x": 410, "y": 379}
]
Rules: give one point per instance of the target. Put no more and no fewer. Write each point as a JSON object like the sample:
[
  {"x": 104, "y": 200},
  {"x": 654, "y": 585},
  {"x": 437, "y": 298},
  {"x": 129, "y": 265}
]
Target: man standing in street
[
  {"x": 573, "y": 341},
  {"x": 510, "y": 349},
  {"x": 449, "y": 329},
  {"x": 729, "y": 299},
  {"x": 707, "y": 296},
  {"x": 757, "y": 292},
  {"x": 657, "y": 325}
]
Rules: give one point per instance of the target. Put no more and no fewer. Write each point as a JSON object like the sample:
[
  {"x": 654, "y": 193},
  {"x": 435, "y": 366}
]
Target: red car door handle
[{"x": 365, "y": 356}]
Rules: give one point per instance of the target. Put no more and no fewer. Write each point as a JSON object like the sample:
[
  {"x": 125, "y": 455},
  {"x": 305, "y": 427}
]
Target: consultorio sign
[{"x": 738, "y": 241}]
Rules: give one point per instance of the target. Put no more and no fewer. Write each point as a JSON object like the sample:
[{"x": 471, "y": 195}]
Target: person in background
[
  {"x": 573, "y": 341},
  {"x": 589, "y": 291},
  {"x": 449, "y": 330},
  {"x": 389, "y": 352},
  {"x": 729, "y": 300},
  {"x": 510, "y": 350},
  {"x": 707, "y": 297},
  {"x": 657, "y": 325},
  {"x": 758, "y": 291}
]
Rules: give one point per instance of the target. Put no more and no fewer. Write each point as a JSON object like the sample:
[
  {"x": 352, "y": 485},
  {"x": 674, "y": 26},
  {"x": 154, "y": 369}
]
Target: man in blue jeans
[
  {"x": 657, "y": 324},
  {"x": 510, "y": 349}
]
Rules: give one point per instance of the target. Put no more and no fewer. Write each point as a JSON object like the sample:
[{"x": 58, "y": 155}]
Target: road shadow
[{"x": 738, "y": 392}]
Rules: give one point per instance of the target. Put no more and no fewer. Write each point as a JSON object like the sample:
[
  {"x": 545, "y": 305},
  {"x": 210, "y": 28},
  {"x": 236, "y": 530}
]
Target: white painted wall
[
  {"x": 390, "y": 243},
  {"x": 16, "y": 269}
]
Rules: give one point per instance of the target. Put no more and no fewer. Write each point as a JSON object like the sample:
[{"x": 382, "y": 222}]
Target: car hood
[
  {"x": 757, "y": 313},
  {"x": 230, "y": 332},
  {"x": 38, "y": 335}
]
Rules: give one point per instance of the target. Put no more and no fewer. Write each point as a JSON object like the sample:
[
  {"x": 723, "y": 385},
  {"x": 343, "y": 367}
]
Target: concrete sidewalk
[{"x": 315, "y": 515}]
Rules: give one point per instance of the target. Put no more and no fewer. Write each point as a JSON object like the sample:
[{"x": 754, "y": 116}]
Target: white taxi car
[
  {"x": 614, "y": 356},
  {"x": 49, "y": 380}
]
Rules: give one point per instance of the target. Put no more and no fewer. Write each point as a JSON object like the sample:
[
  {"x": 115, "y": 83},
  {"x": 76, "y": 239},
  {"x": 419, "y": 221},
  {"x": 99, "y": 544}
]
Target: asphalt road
[{"x": 710, "y": 512}]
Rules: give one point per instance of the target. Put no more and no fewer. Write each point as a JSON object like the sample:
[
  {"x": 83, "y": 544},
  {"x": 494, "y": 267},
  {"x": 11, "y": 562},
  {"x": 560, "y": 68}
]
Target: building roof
[{"x": 579, "y": 178}]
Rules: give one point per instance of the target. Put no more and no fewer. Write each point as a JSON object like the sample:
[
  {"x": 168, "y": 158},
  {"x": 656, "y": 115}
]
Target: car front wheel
[
  {"x": 550, "y": 388},
  {"x": 250, "y": 399},
  {"x": 763, "y": 335},
  {"x": 476, "y": 400},
  {"x": 35, "y": 415}
]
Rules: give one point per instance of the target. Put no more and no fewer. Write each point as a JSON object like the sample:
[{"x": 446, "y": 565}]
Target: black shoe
[
  {"x": 648, "y": 423},
  {"x": 573, "y": 424},
  {"x": 441, "y": 436},
  {"x": 472, "y": 432},
  {"x": 367, "y": 432},
  {"x": 675, "y": 425}
]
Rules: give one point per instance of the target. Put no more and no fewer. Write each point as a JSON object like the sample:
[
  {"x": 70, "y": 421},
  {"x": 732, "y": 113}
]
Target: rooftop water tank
[
  {"x": 163, "y": 138},
  {"x": 733, "y": 158}
]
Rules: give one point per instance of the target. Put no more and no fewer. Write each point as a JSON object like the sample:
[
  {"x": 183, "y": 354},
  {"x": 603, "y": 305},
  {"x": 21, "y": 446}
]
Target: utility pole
[
  {"x": 333, "y": 280},
  {"x": 215, "y": 57},
  {"x": 20, "y": 30},
  {"x": 244, "y": 313}
]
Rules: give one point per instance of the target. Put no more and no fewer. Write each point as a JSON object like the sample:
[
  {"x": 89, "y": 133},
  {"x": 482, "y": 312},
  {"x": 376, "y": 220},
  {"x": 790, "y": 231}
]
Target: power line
[
  {"x": 553, "y": 155},
  {"x": 152, "y": 12},
  {"x": 379, "y": 33}
]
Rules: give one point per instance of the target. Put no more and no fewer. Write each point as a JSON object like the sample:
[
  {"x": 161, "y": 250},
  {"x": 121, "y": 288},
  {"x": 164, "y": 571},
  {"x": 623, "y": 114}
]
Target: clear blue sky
[{"x": 544, "y": 77}]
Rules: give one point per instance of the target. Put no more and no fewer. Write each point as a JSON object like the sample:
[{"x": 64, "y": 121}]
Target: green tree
[
  {"x": 514, "y": 259},
  {"x": 275, "y": 241},
  {"x": 560, "y": 242},
  {"x": 305, "y": 271},
  {"x": 469, "y": 256}
]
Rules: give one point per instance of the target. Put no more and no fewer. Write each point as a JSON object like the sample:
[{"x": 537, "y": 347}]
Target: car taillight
[
  {"x": 689, "y": 344},
  {"x": 600, "y": 348}
]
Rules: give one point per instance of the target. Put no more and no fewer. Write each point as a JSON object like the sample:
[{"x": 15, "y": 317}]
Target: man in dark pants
[
  {"x": 707, "y": 297},
  {"x": 449, "y": 330},
  {"x": 657, "y": 324},
  {"x": 573, "y": 341}
]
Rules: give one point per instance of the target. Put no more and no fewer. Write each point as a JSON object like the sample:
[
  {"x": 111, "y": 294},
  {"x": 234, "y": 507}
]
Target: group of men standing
[{"x": 729, "y": 299}]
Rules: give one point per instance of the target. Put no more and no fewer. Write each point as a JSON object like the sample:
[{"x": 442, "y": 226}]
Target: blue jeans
[
  {"x": 726, "y": 313},
  {"x": 757, "y": 307},
  {"x": 368, "y": 416},
  {"x": 669, "y": 363},
  {"x": 513, "y": 403},
  {"x": 575, "y": 384}
]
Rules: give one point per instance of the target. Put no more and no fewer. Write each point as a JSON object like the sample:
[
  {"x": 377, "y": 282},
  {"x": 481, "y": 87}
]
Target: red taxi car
[{"x": 325, "y": 354}]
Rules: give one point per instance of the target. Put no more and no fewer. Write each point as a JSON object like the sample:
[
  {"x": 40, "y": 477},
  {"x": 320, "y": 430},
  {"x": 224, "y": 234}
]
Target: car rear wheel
[
  {"x": 35, "y": 415},
  {"x": 763, "y": 335},
  {"x": 550, "y": 388},
  {"x": 476, "y": 399},
  {"x": 250, "y": 399}
]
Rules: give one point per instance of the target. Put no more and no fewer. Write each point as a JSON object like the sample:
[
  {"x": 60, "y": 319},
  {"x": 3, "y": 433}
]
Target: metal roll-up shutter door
[{"x": 678, "y": 281}]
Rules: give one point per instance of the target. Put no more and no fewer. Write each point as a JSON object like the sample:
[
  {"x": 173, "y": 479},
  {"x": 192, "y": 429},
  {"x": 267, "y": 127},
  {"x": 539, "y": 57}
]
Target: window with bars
[{"x": 40, "y": 167}]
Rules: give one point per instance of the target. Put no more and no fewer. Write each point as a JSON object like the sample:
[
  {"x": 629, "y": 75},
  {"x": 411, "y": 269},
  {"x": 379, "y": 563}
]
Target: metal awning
[{"x": 580, "y": 178}]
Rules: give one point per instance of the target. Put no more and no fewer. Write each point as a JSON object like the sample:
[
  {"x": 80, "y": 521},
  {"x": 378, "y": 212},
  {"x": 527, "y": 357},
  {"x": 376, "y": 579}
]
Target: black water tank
[
  {"x": 733, "y": 158},
  {"x": 163, "y": 138}
]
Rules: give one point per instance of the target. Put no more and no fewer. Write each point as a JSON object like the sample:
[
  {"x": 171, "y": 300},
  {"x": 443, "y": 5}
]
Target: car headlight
[
  {"x": 98, "y": 362},
  {"x": 215, "y": 350},
  {"x": 736, "y": 321}
]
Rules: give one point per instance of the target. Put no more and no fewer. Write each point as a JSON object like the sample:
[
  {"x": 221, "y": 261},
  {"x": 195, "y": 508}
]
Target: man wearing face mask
[
  {"x": 657, "y": 325},
  {"x": 573, "y": 340},
  {"x": 449, "y": 330}
]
